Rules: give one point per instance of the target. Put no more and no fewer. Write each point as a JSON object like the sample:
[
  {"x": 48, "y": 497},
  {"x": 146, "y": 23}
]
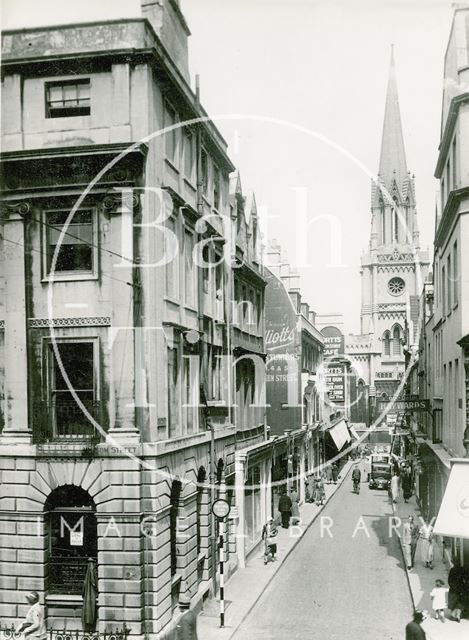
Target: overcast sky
[{"x": 310, "y": 78}]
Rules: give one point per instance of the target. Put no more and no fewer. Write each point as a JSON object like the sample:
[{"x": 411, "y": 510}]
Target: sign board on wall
[
  {"x": 283, "y": 372},
  {"x": 335, "y": 380},
  {"x": 334, "y": 344}
]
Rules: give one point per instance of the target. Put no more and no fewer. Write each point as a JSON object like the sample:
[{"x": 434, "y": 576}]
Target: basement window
[{"x": 67, "y": 98}]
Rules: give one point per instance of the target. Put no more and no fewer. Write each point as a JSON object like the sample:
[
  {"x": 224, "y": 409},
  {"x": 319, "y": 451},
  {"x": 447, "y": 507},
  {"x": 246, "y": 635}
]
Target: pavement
[
  {"x": 246, "y": 586},
  {"x": 350, "y": 584},
  {"x": 422, "y": 580}
]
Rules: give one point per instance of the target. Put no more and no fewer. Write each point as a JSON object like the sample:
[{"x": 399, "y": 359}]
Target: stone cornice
[
  {"x": 447, "y": 136},
  {"x": 449, "y": 211}
]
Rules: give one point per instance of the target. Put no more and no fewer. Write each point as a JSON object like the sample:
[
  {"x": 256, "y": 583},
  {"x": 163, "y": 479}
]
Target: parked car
[{"x": 380, "y": 475}]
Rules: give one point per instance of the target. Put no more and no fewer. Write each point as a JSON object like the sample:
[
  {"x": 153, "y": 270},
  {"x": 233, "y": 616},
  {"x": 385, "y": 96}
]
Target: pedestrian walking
[
  {"x": 310, "y": 488},
  {"x": 335, "y": 472},
  {"x": 415, "y": 533},
  {"x": 269, "y": 534},
  {"x": 284, "y": 506},
  {"x": 407, "y": 541},
  {"x": 34, "y": 626},
  {"x": 295, "y": 506},
  {"x": 186, "y": 628},
  {"x": 320, "y": 494},
  {"x": 438, "y": 595},
  {"x": 407, "y": 488},
  {"x": 426, "y": 544},
  {"x": 413, "y": 630},
  {"x": 457, "y": 583},
  {"x": 329, "y": 474},
  {"x": 395, "y": 487}
]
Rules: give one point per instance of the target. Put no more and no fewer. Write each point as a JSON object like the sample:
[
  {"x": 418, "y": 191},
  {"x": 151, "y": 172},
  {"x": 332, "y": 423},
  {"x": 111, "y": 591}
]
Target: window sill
[
  {"x": 171, "y": 164},
  {"x": 188, "y": 183},
  {"x": 190, "y": 307},
  {"x": 64, "y": 599},
  {"x": 172, "y": 300},
  {"x": 69, "y": 277}
]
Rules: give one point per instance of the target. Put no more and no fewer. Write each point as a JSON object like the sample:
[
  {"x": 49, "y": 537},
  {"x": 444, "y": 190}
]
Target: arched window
[
  {"x": 396, "y": 341},
  {"x": 72, "y": 538},
  {"x": 382, "y": 216},
  {"x": 387, "y": 343}
]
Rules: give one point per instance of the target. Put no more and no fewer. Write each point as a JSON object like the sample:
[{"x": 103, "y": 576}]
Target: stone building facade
[
  {"x": 444, "y": 435},
  {"x": 119, "y": 416}
]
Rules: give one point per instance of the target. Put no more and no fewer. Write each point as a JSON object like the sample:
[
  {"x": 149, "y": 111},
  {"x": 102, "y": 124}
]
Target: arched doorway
[{"x": 70, "y": 518}]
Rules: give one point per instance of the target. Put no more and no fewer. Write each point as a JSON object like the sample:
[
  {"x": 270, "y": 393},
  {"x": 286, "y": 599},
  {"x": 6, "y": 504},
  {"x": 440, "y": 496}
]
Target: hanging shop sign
[{"x": 335, "y": 382}]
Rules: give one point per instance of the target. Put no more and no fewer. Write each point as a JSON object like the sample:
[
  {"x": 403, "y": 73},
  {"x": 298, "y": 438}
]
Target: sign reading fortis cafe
[{"x": 334, "y": 344}]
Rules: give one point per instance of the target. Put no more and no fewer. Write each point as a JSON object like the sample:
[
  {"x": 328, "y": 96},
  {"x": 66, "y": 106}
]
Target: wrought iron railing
[
  {"x": 66, "y": 421},
  {"x": 9, "y": 633}
]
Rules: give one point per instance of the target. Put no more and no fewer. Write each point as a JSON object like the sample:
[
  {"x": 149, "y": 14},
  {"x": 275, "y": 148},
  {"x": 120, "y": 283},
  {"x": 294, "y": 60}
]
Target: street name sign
[{"x": 221, "y": 509}]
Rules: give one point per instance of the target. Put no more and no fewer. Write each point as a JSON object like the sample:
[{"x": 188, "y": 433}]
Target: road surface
[{"x": 349, "y": 586}]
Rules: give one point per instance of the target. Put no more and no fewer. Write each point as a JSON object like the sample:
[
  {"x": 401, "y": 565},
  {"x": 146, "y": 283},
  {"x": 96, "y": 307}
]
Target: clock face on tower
[{"x": 396, "y": 286}]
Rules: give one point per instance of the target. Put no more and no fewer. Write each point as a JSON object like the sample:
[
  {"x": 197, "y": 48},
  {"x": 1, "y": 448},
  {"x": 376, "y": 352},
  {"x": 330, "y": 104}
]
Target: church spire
[{"x": 392, "y": 162}]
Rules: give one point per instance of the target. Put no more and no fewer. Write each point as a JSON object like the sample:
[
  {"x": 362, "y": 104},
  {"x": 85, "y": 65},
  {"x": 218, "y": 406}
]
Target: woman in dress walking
[
  {"x": 426, "y": 544},
  {"x": 395, "y": 481}
]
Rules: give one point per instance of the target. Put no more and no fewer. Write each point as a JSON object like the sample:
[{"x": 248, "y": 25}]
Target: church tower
[{"x": 394, "y": 268}]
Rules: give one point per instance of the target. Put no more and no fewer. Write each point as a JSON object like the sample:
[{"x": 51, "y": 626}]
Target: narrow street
[{"x": 339, "y": 587}]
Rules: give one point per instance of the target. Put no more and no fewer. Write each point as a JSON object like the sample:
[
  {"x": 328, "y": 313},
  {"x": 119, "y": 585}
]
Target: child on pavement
[{"x": 438, "y": 596}]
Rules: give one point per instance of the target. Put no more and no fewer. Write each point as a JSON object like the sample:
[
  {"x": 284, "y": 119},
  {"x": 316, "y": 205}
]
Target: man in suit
[{"x": 413, "y": 630}]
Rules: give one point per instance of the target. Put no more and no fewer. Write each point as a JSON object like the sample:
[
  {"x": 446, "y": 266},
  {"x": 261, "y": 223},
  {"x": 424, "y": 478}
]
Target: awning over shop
[
  {"x": 340, "y": 434},
  {"x": 453, "y": 516}
]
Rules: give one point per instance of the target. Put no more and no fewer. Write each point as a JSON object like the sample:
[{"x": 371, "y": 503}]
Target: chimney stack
[{"x": 170, "y": 26}]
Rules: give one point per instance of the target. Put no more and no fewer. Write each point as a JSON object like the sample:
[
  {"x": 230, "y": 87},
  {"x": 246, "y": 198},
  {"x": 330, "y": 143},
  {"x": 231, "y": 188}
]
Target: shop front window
[{"x": 252, "y": 506}]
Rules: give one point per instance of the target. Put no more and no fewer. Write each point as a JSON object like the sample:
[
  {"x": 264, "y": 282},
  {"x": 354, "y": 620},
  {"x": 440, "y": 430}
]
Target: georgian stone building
[
  {"x": 393, "y": 268},
  {"x": 117, "y": 414},
  {"x": 444, "y": 441}
]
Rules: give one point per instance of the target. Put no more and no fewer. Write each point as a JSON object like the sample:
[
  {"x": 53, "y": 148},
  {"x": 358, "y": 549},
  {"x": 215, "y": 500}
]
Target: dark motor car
[{"x": 380, "y": 475}]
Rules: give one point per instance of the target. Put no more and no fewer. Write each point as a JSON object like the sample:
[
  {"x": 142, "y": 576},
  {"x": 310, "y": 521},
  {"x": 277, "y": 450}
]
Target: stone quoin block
[
  {"x": 25, "y": 464},
  {"x": 7, "y": 504},
  {"x": 30, "y": 527},
  {"x": 25, "y": 505},
  {"x": 7, "y": 463},
  {"x": 120, "y": 557},
  {"x": 7, "y": 526},
  {"x": 8, "y": 610},
  {"x": 15, "y": 477},
  {"x": 110, "y": 600},
  {"x": 108, "y": 573},
  {"x": 30, "y": 583},
  {"x": 7, "y": 555},
  {"x": 110, "y": 544},
  {"x": 8, "y": 582}
]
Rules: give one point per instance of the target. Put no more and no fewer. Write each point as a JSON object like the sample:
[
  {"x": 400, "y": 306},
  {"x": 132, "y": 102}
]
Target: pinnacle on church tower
[{"x": 392, "y": 162}]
